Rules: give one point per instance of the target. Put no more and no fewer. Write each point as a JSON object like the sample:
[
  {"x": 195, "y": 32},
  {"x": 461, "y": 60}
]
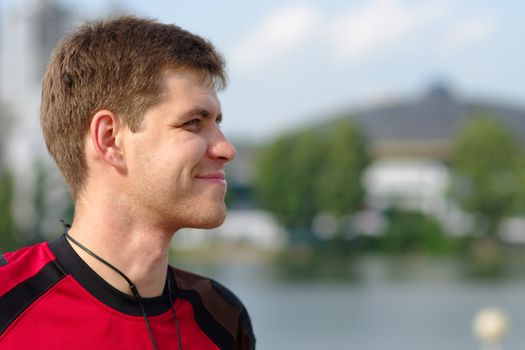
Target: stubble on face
[{"x": 167, "y": 159}]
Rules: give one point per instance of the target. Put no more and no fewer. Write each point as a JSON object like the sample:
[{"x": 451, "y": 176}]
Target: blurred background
[{"x": 378, "y": 196}]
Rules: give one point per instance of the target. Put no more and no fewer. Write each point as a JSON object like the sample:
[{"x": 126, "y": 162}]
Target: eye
[
  {"x": 193, "y": 123},
  {"x": 218, "y": 120}
]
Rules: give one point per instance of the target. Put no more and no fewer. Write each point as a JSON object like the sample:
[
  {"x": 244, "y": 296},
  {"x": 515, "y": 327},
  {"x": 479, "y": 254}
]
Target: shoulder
[
  {"x": 25, "y": 275},
  {"x": 205, "y": 286},
  {"x": 216, "y": 302},
  {"x": 23, "y": 264}
]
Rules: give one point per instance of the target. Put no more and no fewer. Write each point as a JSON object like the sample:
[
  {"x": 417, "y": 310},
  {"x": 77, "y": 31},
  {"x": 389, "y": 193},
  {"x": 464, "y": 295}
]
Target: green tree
[
  {"x": 7, "y": 224},
  {"x": 39, "y": 200},
  {"x": 485, "y": 161},
  {"x": 5, "y": 120},
  {"x": 413, "y": 232},
  {"x": 339, "y": 187},
  {"x": 303, "y": 174},
  {"x": 286, "y": 178}
]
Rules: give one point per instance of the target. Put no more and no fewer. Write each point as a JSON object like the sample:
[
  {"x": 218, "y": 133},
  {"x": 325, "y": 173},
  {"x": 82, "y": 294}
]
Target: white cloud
[
  {"x": 380, "y": 24},
  {"x": 359, "y": 31},
  {"x": 467, "y": 32},
  {"x": 276, "y": 36}
]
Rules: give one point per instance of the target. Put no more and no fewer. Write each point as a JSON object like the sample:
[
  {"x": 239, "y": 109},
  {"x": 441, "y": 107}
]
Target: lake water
[{"x": 383, "y": 304}]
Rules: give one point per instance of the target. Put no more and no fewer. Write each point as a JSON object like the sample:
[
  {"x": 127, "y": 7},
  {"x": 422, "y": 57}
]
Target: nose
[{"x": 221, "y": 148}]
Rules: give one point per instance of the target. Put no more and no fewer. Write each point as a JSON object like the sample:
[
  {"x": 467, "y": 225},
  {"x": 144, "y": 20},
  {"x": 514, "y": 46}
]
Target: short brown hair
[{"x": 117, "y": 65}]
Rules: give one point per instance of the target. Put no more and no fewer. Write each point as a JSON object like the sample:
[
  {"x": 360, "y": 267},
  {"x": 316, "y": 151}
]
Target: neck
[{"x": 140, "y": 252}]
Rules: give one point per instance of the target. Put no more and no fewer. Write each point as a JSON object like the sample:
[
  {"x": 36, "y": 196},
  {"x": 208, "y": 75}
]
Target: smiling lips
[{"x": 215, "y": 178}]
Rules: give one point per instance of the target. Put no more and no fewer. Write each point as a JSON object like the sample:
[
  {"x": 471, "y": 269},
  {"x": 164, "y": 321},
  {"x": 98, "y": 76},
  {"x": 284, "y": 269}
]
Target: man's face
[{"x": 175, "y": 162}]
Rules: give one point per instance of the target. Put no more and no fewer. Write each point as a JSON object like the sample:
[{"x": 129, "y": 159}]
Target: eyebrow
[{"x": 204, "y": 113}]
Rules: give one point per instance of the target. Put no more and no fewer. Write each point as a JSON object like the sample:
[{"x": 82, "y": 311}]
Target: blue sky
[{"x": 292, "y": 63}]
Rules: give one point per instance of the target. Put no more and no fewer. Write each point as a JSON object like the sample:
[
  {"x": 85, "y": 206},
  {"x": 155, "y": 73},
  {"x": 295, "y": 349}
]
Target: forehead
[
  {"x": 187, "y": 86},
  {"x": 190, "y": 78}
]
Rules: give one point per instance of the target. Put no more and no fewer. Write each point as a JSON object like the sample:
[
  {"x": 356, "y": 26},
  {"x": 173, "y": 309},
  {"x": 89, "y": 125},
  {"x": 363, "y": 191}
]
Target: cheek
[{"x": 192, "y": 151}]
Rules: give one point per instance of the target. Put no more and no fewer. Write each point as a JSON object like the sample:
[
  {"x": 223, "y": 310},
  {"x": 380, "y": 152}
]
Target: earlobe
[{"x": 105, "y": 132}]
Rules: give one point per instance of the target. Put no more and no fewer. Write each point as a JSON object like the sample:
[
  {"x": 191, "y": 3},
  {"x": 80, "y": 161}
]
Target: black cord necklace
[{"x": 133, "y": 288}]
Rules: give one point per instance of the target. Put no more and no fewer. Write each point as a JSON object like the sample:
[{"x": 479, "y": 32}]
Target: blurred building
[
  {"x": 415, "y": 185},
  {"x": 29, "y": 30},
  {"x": 410, "y": 142},
  {"x": 409, "y": 184},
  {"x": 425, "y": 126}
]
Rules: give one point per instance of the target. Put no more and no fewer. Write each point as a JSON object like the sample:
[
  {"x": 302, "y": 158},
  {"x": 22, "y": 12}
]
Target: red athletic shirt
[{"x": 51, "y": 299}]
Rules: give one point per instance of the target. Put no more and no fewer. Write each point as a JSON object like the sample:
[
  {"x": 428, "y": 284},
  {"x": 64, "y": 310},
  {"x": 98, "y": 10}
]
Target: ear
[{"x": 105, "y": 134}]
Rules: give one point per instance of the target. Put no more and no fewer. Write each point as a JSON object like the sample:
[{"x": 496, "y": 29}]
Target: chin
[
  {"x": 207, "y": 219},
  {"x": 213, "y": 222},
  {"x": 210, "y": 225}
]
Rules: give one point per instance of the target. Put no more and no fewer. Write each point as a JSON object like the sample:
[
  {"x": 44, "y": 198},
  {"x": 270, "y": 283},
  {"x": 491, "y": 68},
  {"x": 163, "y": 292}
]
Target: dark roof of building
[{"x": 437, "y": 115}]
